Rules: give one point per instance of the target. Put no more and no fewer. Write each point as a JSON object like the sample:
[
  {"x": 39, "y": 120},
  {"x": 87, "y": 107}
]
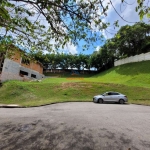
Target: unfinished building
[{"x": 17, "y": 67}]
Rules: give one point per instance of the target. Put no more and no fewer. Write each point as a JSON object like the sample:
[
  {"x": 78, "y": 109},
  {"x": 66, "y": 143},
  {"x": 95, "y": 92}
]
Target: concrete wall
[
  {"x": 30, "y": 71},
  {"x": 11, "y": 71},
  {"x": 136, "y": 58},
  {"x": 34, "y": 66}
]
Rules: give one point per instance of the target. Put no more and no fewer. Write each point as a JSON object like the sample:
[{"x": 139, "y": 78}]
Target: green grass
[
  {"x": 35, "y": 94},
  {"x": 133, "y": 74},
  {"x": 130, "y": 79}
]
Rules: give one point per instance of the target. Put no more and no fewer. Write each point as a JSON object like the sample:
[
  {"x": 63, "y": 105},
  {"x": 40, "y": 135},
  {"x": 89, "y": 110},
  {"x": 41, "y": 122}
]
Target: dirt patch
[{"x": 75, "y": 85}]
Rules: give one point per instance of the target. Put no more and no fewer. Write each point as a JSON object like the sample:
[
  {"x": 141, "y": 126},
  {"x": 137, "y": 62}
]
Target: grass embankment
[
  {"x": 130, "y": 79},
  {"x": 133, "y": 74}
]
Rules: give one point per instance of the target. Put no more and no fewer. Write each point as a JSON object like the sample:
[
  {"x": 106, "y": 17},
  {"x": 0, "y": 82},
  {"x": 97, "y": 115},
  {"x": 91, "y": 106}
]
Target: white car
[{"x": 110, "y": 97}]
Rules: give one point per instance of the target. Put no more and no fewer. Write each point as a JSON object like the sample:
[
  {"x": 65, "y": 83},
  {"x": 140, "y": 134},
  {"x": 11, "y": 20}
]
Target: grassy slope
[
  {"x": 133, "y": 74},
  {"x": 130, "y": 79}
]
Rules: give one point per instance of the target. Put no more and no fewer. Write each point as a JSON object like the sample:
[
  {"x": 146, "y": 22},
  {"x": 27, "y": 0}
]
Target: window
[
  {"x": 23, "y": 73},
  {"x": 109, "y": 93},
  {"x": 33, "y": 75},
  {"x": 106, "y": 94},
  {"x": 114, "y": 93}
]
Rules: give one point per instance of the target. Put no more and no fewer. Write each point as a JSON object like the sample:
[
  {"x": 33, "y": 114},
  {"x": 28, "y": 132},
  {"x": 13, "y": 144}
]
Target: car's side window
[{"x": 115, "y": 93}]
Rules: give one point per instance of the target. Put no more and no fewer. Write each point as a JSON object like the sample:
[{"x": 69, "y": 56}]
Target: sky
[{"x": 126, "y": 11}]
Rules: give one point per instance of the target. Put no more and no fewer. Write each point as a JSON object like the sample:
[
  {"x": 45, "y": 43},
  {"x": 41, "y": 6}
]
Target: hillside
[
  {"x": 133, "y": 74},
  {"x": 132, "y": 80}
]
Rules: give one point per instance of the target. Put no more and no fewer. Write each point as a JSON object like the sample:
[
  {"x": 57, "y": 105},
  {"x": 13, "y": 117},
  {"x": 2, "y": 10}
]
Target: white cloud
[
  {"x": 70, "y": 48},
  {"x": 110, "y": 16},
  {"x": 97, "y": 48},
  {"x": 115, "y": 3},
  {"x": 127, "y": 12}
]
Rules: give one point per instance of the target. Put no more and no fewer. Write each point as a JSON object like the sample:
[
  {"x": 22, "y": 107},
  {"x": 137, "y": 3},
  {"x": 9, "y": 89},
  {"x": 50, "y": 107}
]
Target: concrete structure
[
  {"x": 136, "y": 58},
  {"x": 17, "y": 68}
]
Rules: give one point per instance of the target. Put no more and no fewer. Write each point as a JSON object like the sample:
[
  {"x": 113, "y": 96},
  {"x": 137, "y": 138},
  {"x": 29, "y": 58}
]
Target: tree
[
  {"x": 65, "y": 61},
  {"x": 96, "y": 60},
  {"x": 72, "y": 61},
  {"x": 77, "y": 60},
  {"x": 63, "y": 21},
  {"x": 131, "y": 40},
  {"x": 87, "y": 62},
  {"x": 103, "y": 58}
]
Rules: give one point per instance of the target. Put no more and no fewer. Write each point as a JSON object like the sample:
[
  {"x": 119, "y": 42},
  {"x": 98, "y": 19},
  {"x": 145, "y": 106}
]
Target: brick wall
[{"x": 33, "y": 64}]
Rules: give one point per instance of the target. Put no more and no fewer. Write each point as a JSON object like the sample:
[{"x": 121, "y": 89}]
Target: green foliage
[
  {"x": 64, "y": 61},
  {"x": 48, "y": 25},
  {"x": 133, "y": 38},
  {"x": 143, "y": 8},
  {"x": 63, "y": 22},
  {"x": 129, "y": 41},
  {"x": 104, "y": 58}
]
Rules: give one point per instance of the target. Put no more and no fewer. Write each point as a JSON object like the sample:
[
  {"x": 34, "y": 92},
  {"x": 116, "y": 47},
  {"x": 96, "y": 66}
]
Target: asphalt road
[{"x": 76, "y": 126}]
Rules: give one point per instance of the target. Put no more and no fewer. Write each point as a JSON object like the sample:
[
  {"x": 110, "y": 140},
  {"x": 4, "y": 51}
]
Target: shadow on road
[{"x": 45, "y": 136}]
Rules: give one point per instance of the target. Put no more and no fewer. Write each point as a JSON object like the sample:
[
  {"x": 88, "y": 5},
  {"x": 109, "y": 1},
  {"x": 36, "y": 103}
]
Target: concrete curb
[{"x": 9, "y": 106}]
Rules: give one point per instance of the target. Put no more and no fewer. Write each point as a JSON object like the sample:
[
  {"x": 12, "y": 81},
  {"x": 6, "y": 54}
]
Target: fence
[
  {"x": 68, "y": 71},
  {"x": 136, "y": 58}
]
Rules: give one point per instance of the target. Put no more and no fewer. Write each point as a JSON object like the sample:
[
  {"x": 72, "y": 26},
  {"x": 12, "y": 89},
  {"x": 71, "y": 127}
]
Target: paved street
[{"x": 76, "y": 126}]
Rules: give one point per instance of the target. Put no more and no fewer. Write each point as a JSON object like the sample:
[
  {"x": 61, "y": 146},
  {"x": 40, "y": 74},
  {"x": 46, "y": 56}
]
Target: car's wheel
[
  {"x": 121, "y": 101},
  {"x": 100, "y": 100}
]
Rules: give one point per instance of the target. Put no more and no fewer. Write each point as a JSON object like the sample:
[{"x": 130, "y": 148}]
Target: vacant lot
[
  {"x": 132, "y": 80},
  {"x": 76, "y": 126}
]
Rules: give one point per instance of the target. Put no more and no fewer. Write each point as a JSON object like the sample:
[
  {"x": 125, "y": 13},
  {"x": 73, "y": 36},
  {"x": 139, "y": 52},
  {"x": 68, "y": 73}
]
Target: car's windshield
[{"x": 103, "y": 93}]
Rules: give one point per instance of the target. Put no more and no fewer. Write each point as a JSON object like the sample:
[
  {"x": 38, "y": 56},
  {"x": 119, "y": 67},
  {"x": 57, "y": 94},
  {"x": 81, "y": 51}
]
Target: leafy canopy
[
  {"x": 129, "y": 41},
  {"x": 50, "y": 24}
]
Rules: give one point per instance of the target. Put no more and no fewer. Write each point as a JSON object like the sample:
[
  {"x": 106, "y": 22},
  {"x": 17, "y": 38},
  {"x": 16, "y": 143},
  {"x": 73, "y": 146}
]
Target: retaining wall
[{"x": 136, "y": 58}]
